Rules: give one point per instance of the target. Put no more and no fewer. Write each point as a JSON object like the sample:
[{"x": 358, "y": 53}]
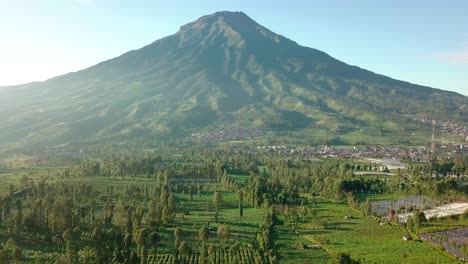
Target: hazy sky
[{"x": 424, "y": 42}]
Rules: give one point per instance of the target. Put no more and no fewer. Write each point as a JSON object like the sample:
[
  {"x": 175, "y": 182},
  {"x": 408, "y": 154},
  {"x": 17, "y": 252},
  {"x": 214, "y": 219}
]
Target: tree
[
  {"x": 200, "y": 189},
  {"x": 217, "y": 199},
  {"x": 61, "y": 213},
  {"x": 409, "y": 223},
  {"x": 99, "y": 240},
  {"x": 108, "y": 213},
  {"x": 305, "y": 212},
  {"x": 191, "y": 189},
  {"x": 391, "y": 214},
  {"x": 419, "y": 218},
  {"x": 167, "y": 216},
  {"x": 177, "y": 236},
  {"x": 19, "y": 221},
  {"x": 294, "y": 216},
  {"x": 313, "y": 212},
  {"x": 266, "y": 238},
  {"x": 351, "y": 200},
  {"x": 117, "y": 256},
  {"x": 223, "y": 234},
  {"x": 17, "y": 254},
  {"x": 464, "y": 216},
  {"x": 120, "y": 215},
  {"x": 203, "y": 234},
  {"x": 134, "y": 257},
  {"x": 240, "y": 195},
  {"x": 211, "y": 254},
  {"x": 6, "y": 208},
  {"x": 11, "y": 251},
  {"x": 367, "y": 207},
  {"x": 171, "y": 203},
  {"x": 203, "y": 255},
  {"x": 163, "y": 196},
  {"x": 126, "y": 246},
  {"x": 287, "y": 212},
  {"x": 184, "y": 249},
  {"x": 137, "y": 218},
  {"x": 4, "y": 257},
  {"x": 140, "y": 239},
  {"x": 234, "y": 252},
  {"x": 71, "y": 253}
]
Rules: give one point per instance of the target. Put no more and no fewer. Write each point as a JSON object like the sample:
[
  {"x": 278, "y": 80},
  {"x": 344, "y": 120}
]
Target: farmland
[
  {"x": 454, "y": 241},
  {"x": 366, "y": 238},
  {"x": 207, "y": 208}
]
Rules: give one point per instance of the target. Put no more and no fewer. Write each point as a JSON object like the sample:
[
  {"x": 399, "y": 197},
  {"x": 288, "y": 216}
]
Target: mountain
[{"x": 223, "y": 69}]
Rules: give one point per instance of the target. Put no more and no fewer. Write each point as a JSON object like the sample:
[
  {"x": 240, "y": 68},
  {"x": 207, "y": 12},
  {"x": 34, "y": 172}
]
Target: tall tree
[
  {"x": 217, "y": 199},
  {"x": 140, "y": 239},
  {"x": 367, "y": 207},
  {"x": 70, "y": 237},
  {"x": 223, "y": 234},
  {"x": 211, "y": 254},
  {"x": 177, "y": 236},
  {"x": 240, "y": 196},
  {"x": 185, "y": 249},
  {"x": 167, "y": 215},
  {"x": 203, "y": 234}
]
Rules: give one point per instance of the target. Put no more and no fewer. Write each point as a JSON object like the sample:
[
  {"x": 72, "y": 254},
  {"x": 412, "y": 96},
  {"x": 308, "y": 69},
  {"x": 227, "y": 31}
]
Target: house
[
  {"x": 406, "y": 237},
  {"x": 304, "y": 246},
  {"x": 313, "y": 246}
]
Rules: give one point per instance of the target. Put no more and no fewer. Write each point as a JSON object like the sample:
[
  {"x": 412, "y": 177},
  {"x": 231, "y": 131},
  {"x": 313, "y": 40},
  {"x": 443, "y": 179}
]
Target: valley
[{"x": 230, "y": 207}]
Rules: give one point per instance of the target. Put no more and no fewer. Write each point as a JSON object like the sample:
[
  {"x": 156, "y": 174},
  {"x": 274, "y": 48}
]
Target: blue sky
[{"x": 424, "y": 42}]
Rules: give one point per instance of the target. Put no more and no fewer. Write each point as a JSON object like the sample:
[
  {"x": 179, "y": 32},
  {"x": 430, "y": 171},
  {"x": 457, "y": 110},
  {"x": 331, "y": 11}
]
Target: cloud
[
  {"x": 459, "y": 56},
  {"x": 454, "y": 57}
]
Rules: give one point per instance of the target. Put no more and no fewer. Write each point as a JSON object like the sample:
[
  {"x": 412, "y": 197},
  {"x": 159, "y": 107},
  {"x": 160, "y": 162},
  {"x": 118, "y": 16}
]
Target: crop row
[{"x": 244, "y": 256}]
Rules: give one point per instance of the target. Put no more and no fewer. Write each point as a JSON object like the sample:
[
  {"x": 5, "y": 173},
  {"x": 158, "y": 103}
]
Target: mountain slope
[{"x": 221, "y": 69}]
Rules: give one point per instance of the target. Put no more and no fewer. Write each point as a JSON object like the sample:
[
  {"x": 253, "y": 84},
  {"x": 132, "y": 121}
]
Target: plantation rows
[
  {"x": 102, "y": 184},
  {"x": 453, "y": 241},
  {"x": 245, "y": 256}
]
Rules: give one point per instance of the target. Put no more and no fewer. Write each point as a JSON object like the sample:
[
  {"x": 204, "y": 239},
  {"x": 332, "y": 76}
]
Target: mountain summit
[{"x": 222, "y": 69}]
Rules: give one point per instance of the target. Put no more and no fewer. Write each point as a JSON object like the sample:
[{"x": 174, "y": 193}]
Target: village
[
  {"x": 227, "y": 134},
  {"x": 444, "y": 126},
  {"x": 386, "y": 153}
]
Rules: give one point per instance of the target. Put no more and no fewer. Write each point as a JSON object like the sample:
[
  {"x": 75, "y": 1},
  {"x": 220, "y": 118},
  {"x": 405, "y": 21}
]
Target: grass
[
  {"x": 364, "y": 239},
  {"x": 377, "y": 196},
  {"x": 287, "y": 241},
  {"x": 442, "y": 224},
  {"x": 239, "y": 178},
  {"x": 202, "y": 212}
]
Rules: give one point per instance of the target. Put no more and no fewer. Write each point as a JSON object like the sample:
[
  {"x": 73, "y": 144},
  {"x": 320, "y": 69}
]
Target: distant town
[
  {"x": 228, "y": 134},
  {"x": 445, "y": 127}
]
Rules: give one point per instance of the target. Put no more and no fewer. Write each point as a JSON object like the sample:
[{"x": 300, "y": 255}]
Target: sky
[{"x": 423, "y": 42}]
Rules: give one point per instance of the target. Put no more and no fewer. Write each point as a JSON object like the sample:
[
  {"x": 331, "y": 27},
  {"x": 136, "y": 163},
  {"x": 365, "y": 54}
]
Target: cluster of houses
[
  {"x": 443, "y": 126},
  {"x": 228, "y": 134},
  {"x": 382, "y": 152}
]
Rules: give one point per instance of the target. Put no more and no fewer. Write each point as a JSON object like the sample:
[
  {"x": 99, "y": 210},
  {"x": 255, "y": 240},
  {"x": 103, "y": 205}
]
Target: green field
[
  {"x": 364, "y": 239},
  {"x": 306, "y": 229}
]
